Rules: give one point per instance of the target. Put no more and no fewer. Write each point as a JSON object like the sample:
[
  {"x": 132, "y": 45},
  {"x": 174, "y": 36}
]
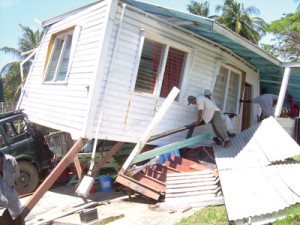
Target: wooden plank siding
[
  {"x": 125, "y": 114},
  {"x": 131, "y": 111},
  {"x": 64, "y": 106}
]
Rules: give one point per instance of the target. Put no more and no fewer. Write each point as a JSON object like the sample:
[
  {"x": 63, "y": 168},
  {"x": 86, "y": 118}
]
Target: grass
[
  {"x": 216, "y": 215},
  {"x": 292, "y": 216},
  {"x": 212, "y": 215}
]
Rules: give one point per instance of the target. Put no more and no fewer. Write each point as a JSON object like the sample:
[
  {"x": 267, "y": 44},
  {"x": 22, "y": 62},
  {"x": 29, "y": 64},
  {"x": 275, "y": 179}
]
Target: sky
[{"x": 32, "y": 12}]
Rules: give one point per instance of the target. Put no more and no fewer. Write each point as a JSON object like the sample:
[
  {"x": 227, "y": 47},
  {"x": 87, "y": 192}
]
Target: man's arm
[
  {"x": 196, "y": 123},
  {"x": 246, "y": 101}
]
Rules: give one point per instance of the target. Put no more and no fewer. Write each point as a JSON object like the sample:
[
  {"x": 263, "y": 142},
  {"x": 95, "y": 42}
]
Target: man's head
[
  {"x": 207, "y": 93},
  {"x": 192, "y": 99},
  {"x": 289, "y": 98}
]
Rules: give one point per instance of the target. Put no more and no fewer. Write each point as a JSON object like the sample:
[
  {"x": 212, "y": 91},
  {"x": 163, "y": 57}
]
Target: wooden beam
[
  {"x": 176, "y": 145},
  {"x": 152, "y": 126},
  {"x": 78, "y": 167},
  {"x": 51, "y": 178},
  {"x": 107, "y": 156}
]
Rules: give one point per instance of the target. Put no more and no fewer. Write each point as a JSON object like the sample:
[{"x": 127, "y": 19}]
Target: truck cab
[{"x": 20, "y": 138}]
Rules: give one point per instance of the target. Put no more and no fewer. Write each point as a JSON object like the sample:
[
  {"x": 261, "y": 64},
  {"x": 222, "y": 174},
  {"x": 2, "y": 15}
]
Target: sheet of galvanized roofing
[
  {"x": 251, "y": 185},
  {"x": 250, "y": 192},
  {"x": 260, "y": 145}
]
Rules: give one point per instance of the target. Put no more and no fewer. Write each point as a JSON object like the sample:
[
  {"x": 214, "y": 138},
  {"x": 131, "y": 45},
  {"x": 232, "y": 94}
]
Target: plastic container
[{"x": 105, "y": 183}]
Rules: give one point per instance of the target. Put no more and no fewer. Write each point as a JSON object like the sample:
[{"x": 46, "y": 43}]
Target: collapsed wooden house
[{"x": 104, "y": 71}]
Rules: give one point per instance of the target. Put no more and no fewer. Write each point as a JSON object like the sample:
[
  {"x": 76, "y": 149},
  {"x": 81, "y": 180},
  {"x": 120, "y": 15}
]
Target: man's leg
[
  {"x": 19, "y": 220},
  {"x": 220, "y": 128},
  {"x": 6, "y": 218}
]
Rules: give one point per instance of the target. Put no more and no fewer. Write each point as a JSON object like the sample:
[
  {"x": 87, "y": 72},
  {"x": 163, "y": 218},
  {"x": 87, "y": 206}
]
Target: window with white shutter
[{"x": 161, "y": 68}]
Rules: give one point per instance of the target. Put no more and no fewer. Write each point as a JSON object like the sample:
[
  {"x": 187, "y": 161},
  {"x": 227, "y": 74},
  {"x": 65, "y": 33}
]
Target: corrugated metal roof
[
  {"x": 251, "y": 185},
  {"x": 250, "y": 192},
  {"x": 269, "y": 67},
  {"x": 260, "y": 145}
]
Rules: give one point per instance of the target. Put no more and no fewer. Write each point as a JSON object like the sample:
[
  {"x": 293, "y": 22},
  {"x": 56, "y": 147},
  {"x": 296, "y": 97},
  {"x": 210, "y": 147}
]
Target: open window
[
  {"x": 60, "y": 55},
  {"x": 227, "y": 89},
  {"x": 162, "y": 66}
]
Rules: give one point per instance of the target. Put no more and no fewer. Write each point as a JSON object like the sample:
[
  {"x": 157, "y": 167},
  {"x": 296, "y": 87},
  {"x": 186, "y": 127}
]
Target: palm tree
[
  {"x": 239, "y": 19},
  {"x": 10, "y": 72},
  {"x": 200, "y": 9}
]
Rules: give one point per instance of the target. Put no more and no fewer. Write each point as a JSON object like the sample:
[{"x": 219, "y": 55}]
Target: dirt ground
[{"x": 61, "y": 206}]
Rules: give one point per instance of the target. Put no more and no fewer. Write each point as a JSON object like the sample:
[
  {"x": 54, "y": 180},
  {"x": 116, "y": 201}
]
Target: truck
[{"x": 20, "y": 138}]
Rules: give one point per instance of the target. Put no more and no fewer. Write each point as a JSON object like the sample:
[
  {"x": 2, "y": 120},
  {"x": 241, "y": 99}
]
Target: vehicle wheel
[{"x": 29, "y": 178}]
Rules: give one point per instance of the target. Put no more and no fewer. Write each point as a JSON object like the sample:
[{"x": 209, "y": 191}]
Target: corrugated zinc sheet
[
  {"x": 251, "y": 185},
  {"x": 258, "y": 146},
  {"x": 250, "y": 192}
]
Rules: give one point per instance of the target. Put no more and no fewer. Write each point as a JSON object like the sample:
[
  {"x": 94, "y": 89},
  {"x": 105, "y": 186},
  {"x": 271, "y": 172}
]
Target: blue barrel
[{"x": 105, "y": 183}]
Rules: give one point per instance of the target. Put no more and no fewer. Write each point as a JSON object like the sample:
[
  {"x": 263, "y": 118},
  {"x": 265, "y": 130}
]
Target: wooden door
[{"x": 246, "y": 121}]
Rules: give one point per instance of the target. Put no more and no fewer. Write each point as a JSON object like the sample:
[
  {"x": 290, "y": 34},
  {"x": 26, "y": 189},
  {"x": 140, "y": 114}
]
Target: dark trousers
[{"x": 6, "y": 219}]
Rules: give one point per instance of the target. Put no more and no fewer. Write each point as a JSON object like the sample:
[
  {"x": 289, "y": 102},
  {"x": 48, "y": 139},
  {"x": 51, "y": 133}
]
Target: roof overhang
[{"x": 270, "y": 68}]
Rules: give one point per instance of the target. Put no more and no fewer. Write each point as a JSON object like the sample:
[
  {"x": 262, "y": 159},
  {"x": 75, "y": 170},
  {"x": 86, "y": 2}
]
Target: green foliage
[
  {"x": 287, "y": 37},
  {"x": 213, "y": 215},
  {"x": 235, "y": 17},
  {"x": 197, "y": 8},
  {"x": 11, "y": 71},
  {"x": 240, "y": 20},
  {"x": 11, "y": 83}
]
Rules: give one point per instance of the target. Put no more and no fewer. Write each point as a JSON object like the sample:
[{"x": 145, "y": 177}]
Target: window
[
  {"x": 62, "y": 46},
  {"x": 227, "y": 89},
  {"x": 161, "y": 68}
]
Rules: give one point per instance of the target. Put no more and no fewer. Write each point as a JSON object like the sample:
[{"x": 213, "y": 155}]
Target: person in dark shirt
[
  {"x": 10, "y": 205},
  {"x": 294, "y": 108}
]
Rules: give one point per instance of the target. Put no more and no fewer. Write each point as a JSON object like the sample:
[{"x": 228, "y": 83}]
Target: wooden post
[{"x": 51, "y": 178}]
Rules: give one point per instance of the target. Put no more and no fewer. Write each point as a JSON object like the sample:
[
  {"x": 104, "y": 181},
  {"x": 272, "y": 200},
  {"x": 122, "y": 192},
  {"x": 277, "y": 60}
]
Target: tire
[{"x": 29, "y": 178}]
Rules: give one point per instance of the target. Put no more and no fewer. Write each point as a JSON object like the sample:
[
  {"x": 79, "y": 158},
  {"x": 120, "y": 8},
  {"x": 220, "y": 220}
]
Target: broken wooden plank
[
  {"x": 168, "y": 148},
  {"x": 138, "y": 187}
]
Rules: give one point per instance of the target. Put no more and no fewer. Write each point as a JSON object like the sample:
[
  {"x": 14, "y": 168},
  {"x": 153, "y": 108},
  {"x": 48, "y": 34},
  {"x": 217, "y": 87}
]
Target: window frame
[
  {"x": 65, "y": 35},
  {"x": 226, "y": 85},
  {"x": 186, "y": 67}
]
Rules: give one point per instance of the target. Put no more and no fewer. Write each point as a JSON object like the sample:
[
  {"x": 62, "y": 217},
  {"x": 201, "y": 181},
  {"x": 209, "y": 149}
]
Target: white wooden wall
[
  {"x": 125, "y": 114},
  {"x": 65, "y": 106}
]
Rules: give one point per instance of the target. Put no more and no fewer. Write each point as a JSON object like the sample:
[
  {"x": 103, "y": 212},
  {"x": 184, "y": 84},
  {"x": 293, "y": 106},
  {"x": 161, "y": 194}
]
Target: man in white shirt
[
  {"x": 209, "y": 112},
  {"x": 266, "y": 102}
]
